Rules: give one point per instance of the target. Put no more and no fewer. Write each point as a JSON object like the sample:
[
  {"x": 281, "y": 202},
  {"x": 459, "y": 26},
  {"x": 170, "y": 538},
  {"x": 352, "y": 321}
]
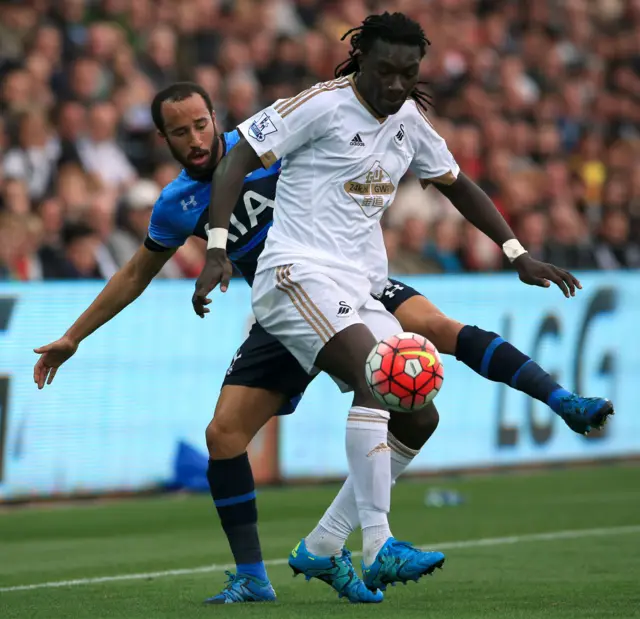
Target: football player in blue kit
[{"x": 265, "y": 379}]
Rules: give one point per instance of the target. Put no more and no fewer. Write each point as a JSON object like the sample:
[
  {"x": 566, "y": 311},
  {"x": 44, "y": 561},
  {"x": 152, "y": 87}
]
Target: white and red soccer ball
[{"x": 404, "y": 372}]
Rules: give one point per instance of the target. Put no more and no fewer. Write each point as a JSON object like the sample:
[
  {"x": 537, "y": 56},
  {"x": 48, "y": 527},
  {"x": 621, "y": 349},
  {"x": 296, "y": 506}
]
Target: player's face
[
  {"x": 388, "y": 73},
  {"x": 190, "y": 132}
]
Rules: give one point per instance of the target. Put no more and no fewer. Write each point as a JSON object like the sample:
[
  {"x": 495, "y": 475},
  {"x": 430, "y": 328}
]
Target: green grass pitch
[{"x": 563, "y": 544}]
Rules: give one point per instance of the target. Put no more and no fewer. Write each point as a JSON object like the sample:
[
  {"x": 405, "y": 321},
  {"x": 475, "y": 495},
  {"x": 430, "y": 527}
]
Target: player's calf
[
  {"x": 497, "y": 360},
  {"x": 418, "y": 315},
  {"x": 341, "y": 518},
  {"x": 240, "y": 413}
]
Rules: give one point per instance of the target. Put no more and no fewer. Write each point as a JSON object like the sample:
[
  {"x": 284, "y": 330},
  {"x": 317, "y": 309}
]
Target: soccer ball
[{"x": 404, "y": 372}]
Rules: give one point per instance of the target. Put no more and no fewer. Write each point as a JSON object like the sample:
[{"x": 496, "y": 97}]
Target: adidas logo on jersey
[{"x": 356, "y": 141}]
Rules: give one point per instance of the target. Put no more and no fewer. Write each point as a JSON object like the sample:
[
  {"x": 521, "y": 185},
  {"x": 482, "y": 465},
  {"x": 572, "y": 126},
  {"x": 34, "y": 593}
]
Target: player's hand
[
  {"x": 217, "y": 270},
  {"x": 536, "y": 273},
  {"x": 52, "y": 356}
]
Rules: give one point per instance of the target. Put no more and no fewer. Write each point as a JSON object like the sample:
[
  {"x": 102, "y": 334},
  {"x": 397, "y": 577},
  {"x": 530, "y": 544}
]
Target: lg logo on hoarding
[
  {"x": 7, "y": 305},
  {"x": 541, "y": 430}
]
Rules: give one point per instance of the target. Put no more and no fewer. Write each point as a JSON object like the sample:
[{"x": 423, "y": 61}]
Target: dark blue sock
[
  {"x": 496, "y": 359},
  {"x": 234, "y": 495}
]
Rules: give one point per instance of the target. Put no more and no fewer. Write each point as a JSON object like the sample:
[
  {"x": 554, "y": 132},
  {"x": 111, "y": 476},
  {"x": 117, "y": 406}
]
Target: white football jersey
[{"x": 341, "y": 166}]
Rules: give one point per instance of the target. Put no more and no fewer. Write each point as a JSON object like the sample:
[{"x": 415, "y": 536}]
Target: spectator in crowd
[
  {"x": 411, "y": 255},
  {"x": 129, "y": 236},
  {"x": 568, "y": 244},
  {"x": 444, "y": 249},
  {"x": 159, "y": 59},
  {"x": 538, "y": 101},
  {"x": 532, "y": 228},
  {"x": 241, "y": 98},
  {"x": 16, "y": 94},
  {"x": 79, "y": 256},
  {"x": 34, "y": 158},
  {"x": 613, "y": 248},
  {"x": 100, "y": 152},
  {"x": 15, "y": 196},
  {"x": 13, "y": 240},
  {"x": 86, "y": 80},
  {"x": 100, "y": 216},
  {"x": 70, "y": 120}
]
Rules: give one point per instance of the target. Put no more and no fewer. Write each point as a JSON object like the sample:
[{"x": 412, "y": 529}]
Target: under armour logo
[
  {"x": 344, "y": 309},
  {"x": 191, "y": 203},
  {"x": 390, "y": 291}
]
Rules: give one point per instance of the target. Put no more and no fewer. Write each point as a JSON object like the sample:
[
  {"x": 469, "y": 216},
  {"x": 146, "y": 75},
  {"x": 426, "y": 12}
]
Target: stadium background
[{"x": 540, "y": 103}]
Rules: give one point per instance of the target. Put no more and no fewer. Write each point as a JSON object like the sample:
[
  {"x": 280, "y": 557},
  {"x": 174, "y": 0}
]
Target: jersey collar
[{"x": 360, "y": 98}]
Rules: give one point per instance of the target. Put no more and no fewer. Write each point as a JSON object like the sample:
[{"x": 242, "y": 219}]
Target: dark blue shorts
[
  {"x": 395, "y": 293},
  {"x": 264, "y": 363}
]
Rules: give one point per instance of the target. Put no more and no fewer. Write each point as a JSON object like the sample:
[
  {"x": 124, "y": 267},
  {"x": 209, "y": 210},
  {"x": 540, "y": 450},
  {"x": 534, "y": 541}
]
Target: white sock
[
  {"x": 369, "y": 459},
  {"x": 341, "y": 519},
  {"x": 335, "y": 526},
  {"x": 401, "y": 456}
]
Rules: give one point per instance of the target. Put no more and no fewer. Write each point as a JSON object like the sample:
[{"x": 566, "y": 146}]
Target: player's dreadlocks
[{"x": 390, "y": 27}]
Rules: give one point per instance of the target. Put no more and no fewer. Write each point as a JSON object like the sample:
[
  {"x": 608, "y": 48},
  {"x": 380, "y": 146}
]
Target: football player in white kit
[{"x": 344, "y": 146}]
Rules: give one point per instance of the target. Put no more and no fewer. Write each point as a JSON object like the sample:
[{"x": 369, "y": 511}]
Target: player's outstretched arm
[
  {"x": 477, "y": 208},
  {"x": 225, "y": 190},
  {"x": 123, "y": 288}
]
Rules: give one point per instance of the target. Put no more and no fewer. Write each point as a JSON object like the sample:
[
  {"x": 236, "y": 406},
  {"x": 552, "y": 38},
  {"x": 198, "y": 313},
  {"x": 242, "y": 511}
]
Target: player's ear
[{"x": 161, "y": 134}]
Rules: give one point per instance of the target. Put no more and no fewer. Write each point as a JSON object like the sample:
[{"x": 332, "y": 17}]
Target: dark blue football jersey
[{"x": 182, "y": 210}]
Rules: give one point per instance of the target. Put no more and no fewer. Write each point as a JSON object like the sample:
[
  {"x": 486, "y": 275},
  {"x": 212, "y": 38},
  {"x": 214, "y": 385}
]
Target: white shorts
[{"x": 305, "y": 305}]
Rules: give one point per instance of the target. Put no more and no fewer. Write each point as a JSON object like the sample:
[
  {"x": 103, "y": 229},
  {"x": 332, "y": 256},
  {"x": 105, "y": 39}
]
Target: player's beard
[{"x": 202, "y": 172}]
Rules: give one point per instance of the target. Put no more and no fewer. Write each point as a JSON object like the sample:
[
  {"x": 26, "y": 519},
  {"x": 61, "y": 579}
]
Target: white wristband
[
  {"x": 217, "y": 238},
  {"x": 513, "y": 249}
]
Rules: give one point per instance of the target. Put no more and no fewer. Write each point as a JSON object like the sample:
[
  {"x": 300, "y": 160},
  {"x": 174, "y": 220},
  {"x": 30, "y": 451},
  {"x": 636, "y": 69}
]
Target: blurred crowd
[{"x": 539, "y": 102}]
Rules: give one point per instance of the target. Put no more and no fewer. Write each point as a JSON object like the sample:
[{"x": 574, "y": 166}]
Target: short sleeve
[
  {"x": 231, "y": 139},
  {"x": 287, "y": 125},
  {"x": 163, "y": 231},
  {"x": 432, "y": 161}
]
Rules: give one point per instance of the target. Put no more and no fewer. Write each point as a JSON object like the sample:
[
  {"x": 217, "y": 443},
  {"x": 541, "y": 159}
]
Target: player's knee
[{"x": 225, "y": 439}]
